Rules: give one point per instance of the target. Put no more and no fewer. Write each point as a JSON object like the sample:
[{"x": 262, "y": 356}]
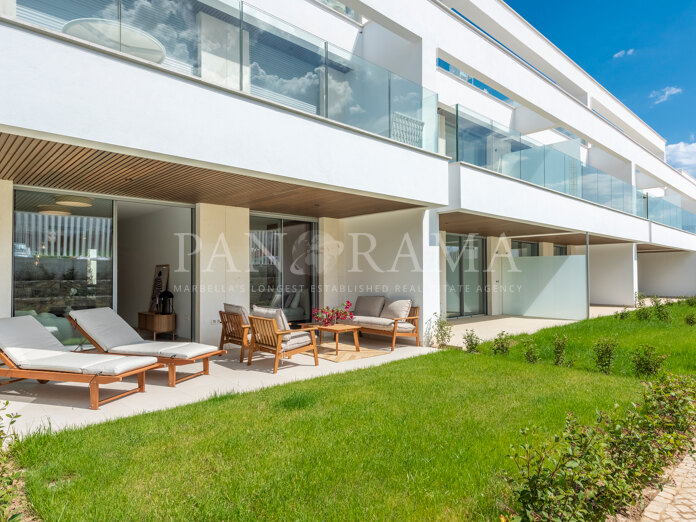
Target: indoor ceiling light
[
  {"x": 74, "y": 201},
  {"x": 54, "y": 210}
]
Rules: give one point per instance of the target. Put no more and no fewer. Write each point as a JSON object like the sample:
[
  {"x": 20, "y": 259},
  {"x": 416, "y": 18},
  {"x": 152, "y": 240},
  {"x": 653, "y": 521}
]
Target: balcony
[
  {"x": 238, "y": 47},
  {"x": 474, "y": 139}
]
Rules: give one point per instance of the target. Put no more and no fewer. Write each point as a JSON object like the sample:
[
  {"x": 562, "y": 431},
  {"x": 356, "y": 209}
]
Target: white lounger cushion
[
  {"x": 106, "y": 327},
  {"x": 164, "y": 349},
  {"x": 27, "y": 332},
  {"x": 92, "y": 364}
]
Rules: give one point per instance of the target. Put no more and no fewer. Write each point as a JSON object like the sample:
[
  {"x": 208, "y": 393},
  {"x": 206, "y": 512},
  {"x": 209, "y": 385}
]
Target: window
[
  {"x": 341, "y": 8},
  {"x": 560, "y": 250},
  {"x": 524, "y": 249},
  {"x": 466, "y": 278}
]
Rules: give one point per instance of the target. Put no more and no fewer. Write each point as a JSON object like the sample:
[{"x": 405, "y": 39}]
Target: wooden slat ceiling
[
  {"x": 462, "y": 223},
  {"x": 645, "y": 248},
  {"x": 42, "y": 163}
]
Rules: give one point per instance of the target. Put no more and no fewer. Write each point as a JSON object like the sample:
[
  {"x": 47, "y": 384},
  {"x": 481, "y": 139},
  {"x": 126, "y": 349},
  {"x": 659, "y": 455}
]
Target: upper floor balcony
[
  {"x": 474, "y": 139},
  {"x": 235, "y": 46}
]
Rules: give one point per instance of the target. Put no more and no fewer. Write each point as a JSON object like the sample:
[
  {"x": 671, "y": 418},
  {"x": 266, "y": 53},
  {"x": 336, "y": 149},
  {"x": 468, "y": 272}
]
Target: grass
[
  {"x": 675, "y": 338},
  {"x": 414, "y": 439}
]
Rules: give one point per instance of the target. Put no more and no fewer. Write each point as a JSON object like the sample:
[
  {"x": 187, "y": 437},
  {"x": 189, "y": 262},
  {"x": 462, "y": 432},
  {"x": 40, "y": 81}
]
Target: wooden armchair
[
  {"x": 234, "y": 331},
  {"x": 266, "y": 337}
]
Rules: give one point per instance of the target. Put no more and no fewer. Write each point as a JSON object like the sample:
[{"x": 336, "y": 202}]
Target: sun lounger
[
  {"x": 30, "y": 351},
  {"x": 109, "y": 333}
]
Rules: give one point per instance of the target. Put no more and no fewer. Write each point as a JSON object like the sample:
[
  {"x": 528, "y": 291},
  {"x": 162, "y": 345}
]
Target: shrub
[
  {"x": 442, "y": 331},
  {"x": 623, "y": 314},
  {"x": 471, "y": 341},
  {"x": 646, "y": 361},
  {"x": 560, "y": 342},
  {"x": 605, "y": 353},
  {"x": 691, "y": 301},
  {"x": 530, "y": 352},
  {"x": 502, "y": 343},
  {"x": 590, "y": 472},
  {"x": 9, "y": 491},
  {"x": 660, "y": 309},
  {"x": 690, "y": 319},
  {"x": 643, "y": 311}
]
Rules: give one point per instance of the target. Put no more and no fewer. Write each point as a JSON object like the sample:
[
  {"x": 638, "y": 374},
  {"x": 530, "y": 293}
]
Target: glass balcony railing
[
  {"x": 663, "y": 211},
  {"x": 484, "y": 143},
  {"x": 234, "y": 45}
]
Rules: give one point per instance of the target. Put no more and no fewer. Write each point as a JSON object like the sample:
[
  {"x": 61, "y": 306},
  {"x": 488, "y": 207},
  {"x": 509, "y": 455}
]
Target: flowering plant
[{"x": 328, "y": 316}]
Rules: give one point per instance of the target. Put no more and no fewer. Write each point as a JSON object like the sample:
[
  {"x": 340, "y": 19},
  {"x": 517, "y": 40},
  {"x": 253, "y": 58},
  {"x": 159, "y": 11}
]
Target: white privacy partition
[{"x": 553, "y": 287}]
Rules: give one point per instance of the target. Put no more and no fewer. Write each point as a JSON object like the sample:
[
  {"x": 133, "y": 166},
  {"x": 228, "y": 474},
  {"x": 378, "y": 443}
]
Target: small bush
[
  {"x": 442, "y": 331},
  {"x": 690, "y": 319},
  {"x": 623, "y": 314},
  {"x": 471, "y": 341},
  {"x": 646, "y": 361},
  {"x": 502, "y": 343},
  {"x": 9, "y": 491},
  {"x": 660, "y": 309},
  {"x": 605, "y": 353},
  {"x": 560, "y": 343},
  {"x": 691, "y": 301},
  {"x": 530, "y": 352},
  {"x": 643, "y": 311},
  {"x": 589, "y": 472}
]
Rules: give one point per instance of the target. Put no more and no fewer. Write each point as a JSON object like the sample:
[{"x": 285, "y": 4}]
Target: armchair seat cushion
[{"x": 296, "y": 339}]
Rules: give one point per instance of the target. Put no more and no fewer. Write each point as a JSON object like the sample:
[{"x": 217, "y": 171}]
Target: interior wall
[
  {"x": 667, "y": 274},
  {"x": 146, "y": 240},
  {"x": 222, "y": 268},
  {"x": 6, "y": 246}
]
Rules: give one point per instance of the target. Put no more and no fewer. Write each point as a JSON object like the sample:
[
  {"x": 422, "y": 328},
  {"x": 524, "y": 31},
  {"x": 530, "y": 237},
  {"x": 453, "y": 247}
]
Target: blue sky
[{"x": 643, "y": 51}]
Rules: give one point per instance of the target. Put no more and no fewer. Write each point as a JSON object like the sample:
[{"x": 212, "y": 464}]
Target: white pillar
[
  {"x": 331, "y": 262},
  {"x": 8, "y": 8},
  {"x": 6, "y": 242},
  {"x": 222, "y": 265},
  {"x": 546, "y": 249}
]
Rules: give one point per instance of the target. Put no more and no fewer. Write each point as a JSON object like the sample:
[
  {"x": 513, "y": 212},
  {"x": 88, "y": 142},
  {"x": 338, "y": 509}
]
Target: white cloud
[
  {"x": 664, "y": 94},
  {"x": 682, "y": 156},
  {"x": 625, "y": 52}
]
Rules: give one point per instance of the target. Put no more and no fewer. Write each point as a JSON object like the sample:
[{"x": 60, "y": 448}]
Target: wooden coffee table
[{"x": 337, "y": 329}]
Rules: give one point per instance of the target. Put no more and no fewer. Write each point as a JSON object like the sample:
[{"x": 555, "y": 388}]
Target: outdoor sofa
[
  {"x": 378, "y": 315},
  {"x": 30, "y": 351},
  {"x": 109, "y": 333}
]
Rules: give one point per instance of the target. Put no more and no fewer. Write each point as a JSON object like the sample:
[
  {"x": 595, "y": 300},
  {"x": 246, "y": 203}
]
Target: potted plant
[{"x": 328, "y": 316}]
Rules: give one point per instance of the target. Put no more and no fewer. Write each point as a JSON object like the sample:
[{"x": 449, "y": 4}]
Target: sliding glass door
[
  {"x": 466, "y": 283},
  {"x": 282, "y": 263}
]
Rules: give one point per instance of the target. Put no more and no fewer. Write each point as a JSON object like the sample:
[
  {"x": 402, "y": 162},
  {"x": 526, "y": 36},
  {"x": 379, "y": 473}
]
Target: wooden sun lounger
[
  {"x": 170, "y": 362},
  {"x": 43, "y": 376}
]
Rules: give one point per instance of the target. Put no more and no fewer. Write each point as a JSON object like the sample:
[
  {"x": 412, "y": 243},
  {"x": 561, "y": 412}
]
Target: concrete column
[
  {"x": 443, "y": 272},
  {"x": 6, "y": 223},
  {"x": 222, "y": 265},
  {"x": 331, "y": 261},
  {"x": 8, "y": 8},
  {"x": 432, "y": 289},
  {"x": 546, "y": 249}
]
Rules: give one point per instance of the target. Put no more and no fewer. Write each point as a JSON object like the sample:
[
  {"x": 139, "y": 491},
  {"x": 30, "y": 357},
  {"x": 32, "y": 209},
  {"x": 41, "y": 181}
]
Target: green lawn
[
  {"x": 419, "y": 438},
  {"x": 414, "y": 439},
  {"x": 675, "y": 338}
]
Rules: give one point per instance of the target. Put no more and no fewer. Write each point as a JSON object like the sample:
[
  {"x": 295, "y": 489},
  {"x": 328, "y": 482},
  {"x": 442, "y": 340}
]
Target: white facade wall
[
  {"x": 613, "y": 274},
  {"x": 667, "y": 274},
  {"x": 222, "y": 265}
]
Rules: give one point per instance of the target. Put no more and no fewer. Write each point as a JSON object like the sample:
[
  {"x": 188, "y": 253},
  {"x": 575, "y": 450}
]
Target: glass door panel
[{"x": 466, "y": 281}]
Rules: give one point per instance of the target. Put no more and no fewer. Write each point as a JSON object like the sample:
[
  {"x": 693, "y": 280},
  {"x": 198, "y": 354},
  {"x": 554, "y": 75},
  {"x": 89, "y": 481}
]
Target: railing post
[
  {"x": 326, "y": 80},
  {"x": 241, "y": 46},
  {"x": 389, "y": 82}
]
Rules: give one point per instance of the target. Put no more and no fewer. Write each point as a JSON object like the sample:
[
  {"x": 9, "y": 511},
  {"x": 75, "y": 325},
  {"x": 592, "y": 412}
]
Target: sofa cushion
[
  {"x": 296, "y": 339},
  {"x": 369, "y": 305},
  {"x": 27, "y": 332},
  {"x": 237, "y": 309},
  {"x": 380, "y": 323},
  {"x": 271, "y": 313},
  {"x": 396, "y": 308},
  {"x": 106, "y": 327}
]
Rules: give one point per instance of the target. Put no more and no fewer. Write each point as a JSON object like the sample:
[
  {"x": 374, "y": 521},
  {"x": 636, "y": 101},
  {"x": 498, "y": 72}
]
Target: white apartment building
[{"x": 298, "y": 153}]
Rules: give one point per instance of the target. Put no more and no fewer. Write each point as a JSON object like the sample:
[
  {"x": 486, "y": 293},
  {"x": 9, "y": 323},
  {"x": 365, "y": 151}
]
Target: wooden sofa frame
[
  {"x": 15, "y": 373},
  {"x": 412, "y": 318},
  {"x": 171, "y": 363},
  {"x": 266, "y": 337},
  {"x": 234, "y": 331}
]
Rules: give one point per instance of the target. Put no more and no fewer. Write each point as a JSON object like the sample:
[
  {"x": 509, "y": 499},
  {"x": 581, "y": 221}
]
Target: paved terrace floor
[{"x": 61, "y": 405}]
